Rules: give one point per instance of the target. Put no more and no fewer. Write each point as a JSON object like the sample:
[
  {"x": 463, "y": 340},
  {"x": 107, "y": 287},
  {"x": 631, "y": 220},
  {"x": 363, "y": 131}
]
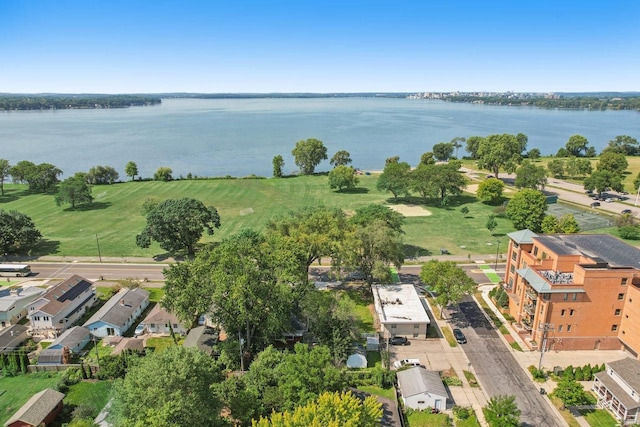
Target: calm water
[{"x": 240, "y": 137}]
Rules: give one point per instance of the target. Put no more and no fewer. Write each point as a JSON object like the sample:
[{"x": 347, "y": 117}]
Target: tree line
[
  {"x": 63, "y": 102},
  {"x": 577, "y": 102}
]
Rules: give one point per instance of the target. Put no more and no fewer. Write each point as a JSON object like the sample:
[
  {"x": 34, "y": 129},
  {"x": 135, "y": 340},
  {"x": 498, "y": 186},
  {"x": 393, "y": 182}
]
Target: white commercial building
[{"x": 400, "y": 311}]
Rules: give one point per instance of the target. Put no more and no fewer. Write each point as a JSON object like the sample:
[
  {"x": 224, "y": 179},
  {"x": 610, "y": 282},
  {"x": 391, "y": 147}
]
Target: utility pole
[
  {"x": 98, "y": 243},
  {"x": 497, "y": 253},
  {"x": 545, "y": 328},
  {"x": 95, "y": 345}
]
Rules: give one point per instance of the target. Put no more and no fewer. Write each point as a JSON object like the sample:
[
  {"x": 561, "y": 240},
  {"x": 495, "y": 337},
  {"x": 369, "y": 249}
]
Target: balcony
[
  {"x": 531, "y": 294},
  {"x": 530, "y": 309}
]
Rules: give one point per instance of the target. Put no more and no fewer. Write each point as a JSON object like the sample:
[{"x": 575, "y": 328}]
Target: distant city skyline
[{"x": 323, "y": 47}]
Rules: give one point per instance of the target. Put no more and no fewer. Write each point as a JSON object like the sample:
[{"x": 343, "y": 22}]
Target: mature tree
[
  {"x": 278, "y": 164},
  {"x": 615, "y": 163},
  {"x": 102, "y": 175},
  {"x": 74, "y": 190},
  {"x": 188, "y": 290},
  {"x": 427, "y": 158},
  {"x": 577, "y": 145},
  {"x": 168, "y": 388},
  {"x": 373, "y": 212},
  {"x": 491, "y": 224},
  {"x": 341, "y": 158},
  {"x": 308, "y": 154},
  {"x": 375, "y": 248},
  {"x": 163, "y": 173},
  {"x": 502, "y": 411},
  {"x": 527, "y": 209},
  {"x": 490, "y": 190},
  {"x": 473, "y": 143},
  {"x": 603, "y": 180},
  {"x": 457, "y": 143},
  {"x": 437, "y": 180},
  {"x": 449, "y": 282},
  {"x": 533, "y": 154},
  {"x": 178, "y": 224},
  {"x": 502, "y": 151},
  {"x": 443, "y": 151},
  {"x": 528, "y": 175},
  {"x": 624, "y": 144},
  {"x": 389, "y": 160},
  {"x": 636, "y": 182},
  {"x": 5, "y": 172},
  {"x": 329, "y": 409},
  {"x": 550, "y": 225},
  {"x": 576, "y": 166},
  {"x": 568, "y": 224},
  {"x": 312, "y": 232},
  {"x": 18, "y": 234},
  {"x": 22, "y": 170},
  {"x": 628, "y": 227},
  {"x": 563, "y": 152},
  {"x": 343, "y": 177},
  {"x": 41, "y": 178},
  {"x": 395, "y": 178},
  {"x": 556, "y": 168},
  {"x": 131, "y": 169},
  {"x": 571, "y": 392},
  {"x": 591, "y": 152}
]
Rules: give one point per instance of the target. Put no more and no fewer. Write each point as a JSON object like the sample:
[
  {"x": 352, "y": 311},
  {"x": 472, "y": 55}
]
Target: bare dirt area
[{"x": 411, "y": 210}]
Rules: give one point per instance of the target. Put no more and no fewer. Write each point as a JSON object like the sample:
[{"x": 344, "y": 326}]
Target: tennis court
[{"x": 588, "y": 219}]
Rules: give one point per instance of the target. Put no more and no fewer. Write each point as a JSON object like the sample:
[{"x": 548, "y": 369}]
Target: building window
[
  {"x": 562, "y": 312},
  {"x": 571, "y": 312},
  {"x": 420, "y": 402},
  {"x": 566, "y": 297},
  {"x": 559, "y": 328},
  {"x": 617, "y": 312},
  {"x": 394, "y": 326},
  {"x": 524, "y": 264},
  {"x": 416, "y": 325},
  {"x": 514, "y": 256},
  {"x": 574, "y": 297},
  {"x": 620, "y": 296},
  {"x": 511, "y": 281},
  {"x": 626, "y": 316},
  {"x": 535, "y": 250},
  {"x": 513, "y": 268},
  {"x": 624, "y": 282},
  {"x": 568, "y": 328},
  {"x": 614, "y": 328}
]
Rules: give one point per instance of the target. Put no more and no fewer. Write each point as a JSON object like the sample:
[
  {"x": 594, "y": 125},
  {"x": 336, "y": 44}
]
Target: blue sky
[{"x": 138, "y": 46}]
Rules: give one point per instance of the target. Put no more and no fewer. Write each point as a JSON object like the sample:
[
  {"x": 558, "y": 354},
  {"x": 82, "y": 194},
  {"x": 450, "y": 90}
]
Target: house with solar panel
[
  {"x": 60, "y": 307},
  {"x": 118, "y": 314}
]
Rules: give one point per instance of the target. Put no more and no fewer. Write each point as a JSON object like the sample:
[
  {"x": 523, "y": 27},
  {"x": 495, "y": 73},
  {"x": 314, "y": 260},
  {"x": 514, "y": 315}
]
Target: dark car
[
  {"x": 398, "y": 341},
  {"x": 595, "y": 204},
  {"x": 459, "y": 336},
  {"x": 626, "y": 211}
]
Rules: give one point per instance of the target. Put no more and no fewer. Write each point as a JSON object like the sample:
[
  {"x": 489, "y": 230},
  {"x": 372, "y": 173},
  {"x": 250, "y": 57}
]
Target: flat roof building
[{"x": 400, "y": 311}]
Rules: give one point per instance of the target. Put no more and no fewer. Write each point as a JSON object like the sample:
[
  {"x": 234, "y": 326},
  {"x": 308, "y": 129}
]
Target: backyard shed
[{"x": 422, "y": 389}]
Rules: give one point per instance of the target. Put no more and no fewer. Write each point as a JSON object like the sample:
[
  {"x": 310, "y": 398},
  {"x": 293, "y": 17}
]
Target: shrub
[
  {"x": 587, "y": 374},
  {"x": 452, "y": 381},
  {"x": 536, "y": 373},
  {"x": 568, "y": 373},
  {"x": 578, "y": 374},
  {"x": 461, "y": 412}
]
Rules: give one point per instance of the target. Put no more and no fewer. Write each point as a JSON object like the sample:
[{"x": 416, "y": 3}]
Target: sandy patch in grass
[{"x": 411, "y": 210}]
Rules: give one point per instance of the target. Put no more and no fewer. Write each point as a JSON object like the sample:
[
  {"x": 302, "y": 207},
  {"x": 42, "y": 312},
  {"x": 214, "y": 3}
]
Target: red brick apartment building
[{"x": 579, "y": 291}]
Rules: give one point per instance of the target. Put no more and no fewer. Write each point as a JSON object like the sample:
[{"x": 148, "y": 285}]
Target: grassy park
[{"x": 116, "y": 215}]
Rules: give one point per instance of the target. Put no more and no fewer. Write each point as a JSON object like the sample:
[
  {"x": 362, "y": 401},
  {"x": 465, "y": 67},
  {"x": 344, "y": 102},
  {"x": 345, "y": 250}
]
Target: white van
[{"x": 406, "y": 362}]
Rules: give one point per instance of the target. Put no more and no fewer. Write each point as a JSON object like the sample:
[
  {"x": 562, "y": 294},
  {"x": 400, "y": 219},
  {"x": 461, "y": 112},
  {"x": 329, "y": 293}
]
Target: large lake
[{"x": 240, "y": 136}]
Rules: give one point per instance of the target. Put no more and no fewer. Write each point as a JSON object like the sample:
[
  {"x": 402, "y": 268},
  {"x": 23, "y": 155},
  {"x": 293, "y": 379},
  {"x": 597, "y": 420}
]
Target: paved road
[
  {"x": 497, "y": 369},
  {"x": 94, "y": 271}
]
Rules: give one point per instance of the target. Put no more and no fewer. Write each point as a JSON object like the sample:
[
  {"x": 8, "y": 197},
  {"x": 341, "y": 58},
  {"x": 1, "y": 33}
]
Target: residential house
[
  {"x": 618, "y": 390},
  {"x": 13, "y": 303},
  {"x": 12, "y": 337},
  {"x": 118, "y": 314},
  {"x": 121, "y": 344},
  {"x": 159, "y": 319},
  {"x": 71, "y": 341},
  {"x": 574, "y": 291},
  {"x": 203, "y": 338},
  {"x": 60, "y": 306},
  {"x": 400, "y": 311},
  {"x": 421, "y": 389},
  {"x": 40, "y": 410}
]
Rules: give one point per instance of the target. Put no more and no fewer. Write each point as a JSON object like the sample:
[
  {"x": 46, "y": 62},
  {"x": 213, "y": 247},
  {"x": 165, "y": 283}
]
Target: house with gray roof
[
  {"x": 618, "y": 390},
  {"x": 422, "y": 389},
  {"x": 12, "y": 337},
  {"x": 61, "y": 306},
  {"x": 118, "y": 314},
  {"x": 161, "y": 321},
  {"x": 40, "y": 410},
  {"x": 14, "y": 302},
  {"x": 72, "y": 341},
  {"x": 203, "y": 338}
]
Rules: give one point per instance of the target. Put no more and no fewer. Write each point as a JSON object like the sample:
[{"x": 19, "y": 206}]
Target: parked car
[
  {"x": 140, "y": 329},
  {"x": 626, "y": 211},
  {"x": 609, "y": 200},
  {"x": 595, "y": 204},
  {"x": 459, "y": 336},
  {"x": 398, "y": 340},
  {"x": 406, "y": 362}
]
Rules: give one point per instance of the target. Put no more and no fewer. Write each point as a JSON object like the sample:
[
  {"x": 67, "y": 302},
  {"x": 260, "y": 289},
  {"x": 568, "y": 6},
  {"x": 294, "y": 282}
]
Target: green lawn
[
  {"x": 362, "y": 300},
  {"x": 160, "y": 343},
  {"x": 17, "y": 390},
  {"x": 599, "y": 418},
  {"x": 117, "y": 215},
  {"x": 389, "y": 393},
  {"x": 448, "y": 334},
  {"x": 155, "y": 294},
  {"x": 103, "y": 350},
  {"x": 89, "y": 393},
  {"x": 427, "y": 419}
]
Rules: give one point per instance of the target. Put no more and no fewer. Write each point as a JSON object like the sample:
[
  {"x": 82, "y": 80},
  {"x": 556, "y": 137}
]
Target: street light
[{"x": 497, "y": 252}]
